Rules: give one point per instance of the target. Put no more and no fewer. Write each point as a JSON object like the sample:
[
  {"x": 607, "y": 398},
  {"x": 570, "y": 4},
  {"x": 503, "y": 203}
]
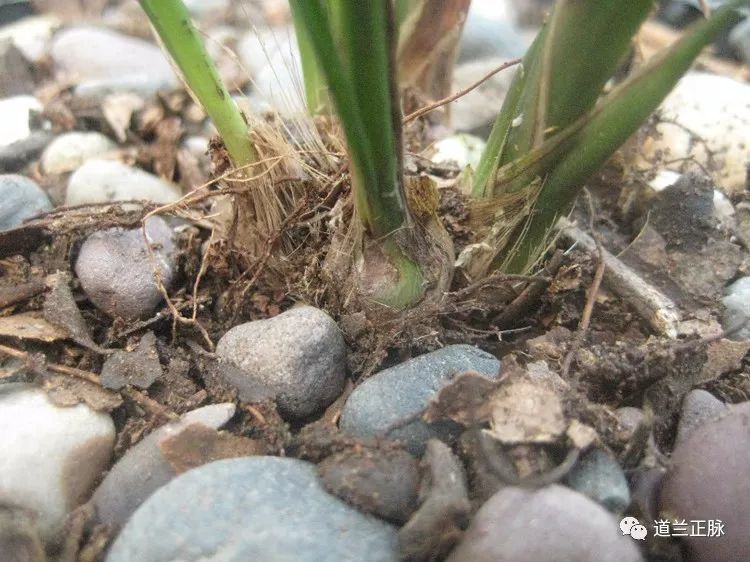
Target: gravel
[
  {"x": 143, "y": 469},
  {"x": 117, "y": 273},
  {"x": 698, "y": 407},
  {"x": 552, "y": 523},
  {"x": 20, "y": 199},
  {"x": 297, "y": 357},
  {"x": 256, "y": 508},
  {"x": 103, "y": 181},
  {"x": 101, "y": 61},
  {"x": 599, "y": 476},
  {"x": 67, "y": 152},
  {"x": 51, "y": 455},
  {"x": 707, "y": 480},
  {"x": 395, "y": 394}
]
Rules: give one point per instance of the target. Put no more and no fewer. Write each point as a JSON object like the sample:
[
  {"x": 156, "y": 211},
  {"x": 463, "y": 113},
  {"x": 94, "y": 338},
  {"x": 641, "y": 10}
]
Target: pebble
[
  {"x": 462, "y": 149},
  {"x": 737, "y": 308},
  {"x": 273, "y": 61},
  {"x": 17, "y": 72},
  {"x": 20, "y": 199},
  {"x": 490, "y": 31},
  {"x": 599, "y": 476},
  {"x": 395, "y": 394},
  {"x": 629, "y": 419},
  {"x": 698, "y": 407},
  {"x": 198, "y": 146},
  {"x": 31, "y": 35},
  {"x": 299, "y": 357},
  {"x": 476, "y": 111},
  {"x": 723, "y": 210},
  {"x": 51, "y": 455},
  {"x": 739, "y": 38},
  {"x": 715, "y": 109},
  {"x": 707, "y": 480},
  {"x": 257, "y": 508},
  {"x": 19, "y": 538},
  {"x": 552, "y": 523},
  {"x": 15, "y": 114},
  {"x": 14, "y": 157},
  {"x": 103, "y": 181},
  {"x": 143, "y": 469},
  {"x": 67, "y": 152},
  {"x": 101, "y": 61},
  {"x": 203, "y": 7},
  {"x": 383, "y": 483},
  {"x": 117, "y": 272},
  {"x": 257, "y": 48}
]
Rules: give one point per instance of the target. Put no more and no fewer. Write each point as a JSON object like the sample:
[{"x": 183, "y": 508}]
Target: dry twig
[
  {"x": 588, "y": 309},
  {"x": 453, "y": 97}
]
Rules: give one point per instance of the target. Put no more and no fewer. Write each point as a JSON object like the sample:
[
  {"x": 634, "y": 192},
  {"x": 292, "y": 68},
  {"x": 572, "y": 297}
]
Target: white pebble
[
  {"x": 705, "y": 111},
  {"x": 67, "y": 152},
  {"x": 51, "y": 456},
  {"x": 463, "y": 149},
  {"x": 102, "y": 181},
  {"x": 14, "y": 116}
]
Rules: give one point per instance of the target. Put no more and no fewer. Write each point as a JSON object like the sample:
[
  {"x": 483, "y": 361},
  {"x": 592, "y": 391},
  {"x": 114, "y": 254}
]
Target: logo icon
[{"x": 631, "y": 526}]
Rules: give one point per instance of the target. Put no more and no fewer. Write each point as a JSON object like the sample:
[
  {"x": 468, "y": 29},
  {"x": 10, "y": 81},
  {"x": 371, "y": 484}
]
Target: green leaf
[
  {"x": 492, "y": 157},
  {"x": 316, "y": 91},
  {"x": 563, "y": 73},
  {"x": 171, "y": 21},
  {"x": 600, "y": 133}
]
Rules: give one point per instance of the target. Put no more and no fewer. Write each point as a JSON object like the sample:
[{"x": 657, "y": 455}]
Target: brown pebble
[{"x": 383, "y": 483}]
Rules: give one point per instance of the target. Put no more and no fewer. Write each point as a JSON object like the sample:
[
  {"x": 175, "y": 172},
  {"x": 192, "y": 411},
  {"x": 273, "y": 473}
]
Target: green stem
[
  {"x": 357, "y": 71},
  {"x": 353, "y": 43},
  {"x": 174, "y": 26}
]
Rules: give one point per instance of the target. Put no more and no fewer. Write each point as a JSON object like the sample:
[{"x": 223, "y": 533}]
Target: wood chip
[{"x": 31, "y": 326}]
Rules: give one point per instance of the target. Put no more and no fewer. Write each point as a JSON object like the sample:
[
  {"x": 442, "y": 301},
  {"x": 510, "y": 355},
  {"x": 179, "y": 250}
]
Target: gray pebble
[
  {"x": 737, "y": 308},
  {"x": 103, "y": 181},
  {"x": 101, "y": 61},
  {"x": 256, "y": 508},
  {"x": 67, "y": 152},
  {"x": 599, "y": 476},
  {"x": 15, "y": 156},
  {"x": 698, "y": 407},
  {"x": 298, "y": 357},
  {"x": 20, "y": 199},
  {"x": 395, "y": 394},
  {"x": 143, "y": 469},
  {"x": 17, "y": 72},
  {"x": 117, "y": 272},
  {"x": 707, "y": 480},
  {"x": 739, "y": 38},
  {"x": 552, "y": 523},
  {"x": 476, "y": 111}
]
